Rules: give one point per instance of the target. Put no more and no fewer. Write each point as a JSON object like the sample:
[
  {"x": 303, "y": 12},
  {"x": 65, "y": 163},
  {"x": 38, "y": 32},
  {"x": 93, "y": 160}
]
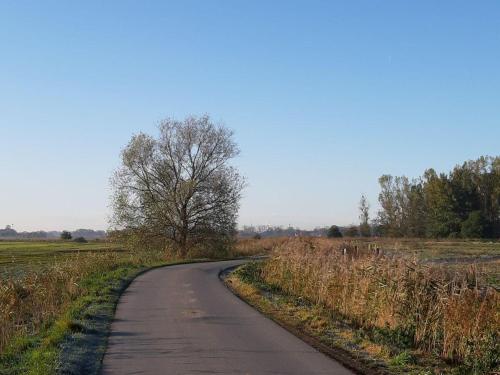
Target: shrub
[
  {"x": 352, "y": 232},
  {"x": 65, "y": 235},
  {"x": 334, "y": 232}
]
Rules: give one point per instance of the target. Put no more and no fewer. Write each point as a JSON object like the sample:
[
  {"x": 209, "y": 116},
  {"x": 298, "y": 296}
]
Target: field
[
  {"x": 405, "y": 306},
  {"x": 17, "y": 257},
  {"x": 438, "y": 250}
]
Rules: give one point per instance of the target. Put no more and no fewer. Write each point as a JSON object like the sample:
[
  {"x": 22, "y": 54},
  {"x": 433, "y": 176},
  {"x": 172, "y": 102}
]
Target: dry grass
[
  {"x": 34, "y": 300},
  {"x": 46, "y": 276},
  {"x": 250, "y": 246},
  {"x": 452, "y": 314}
]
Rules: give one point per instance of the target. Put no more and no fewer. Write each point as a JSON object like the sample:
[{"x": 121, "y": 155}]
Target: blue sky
[{"x": 324, "y": 97}]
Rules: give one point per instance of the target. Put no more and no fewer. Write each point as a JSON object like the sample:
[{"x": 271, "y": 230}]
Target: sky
[{"x": 323, "y": 96}]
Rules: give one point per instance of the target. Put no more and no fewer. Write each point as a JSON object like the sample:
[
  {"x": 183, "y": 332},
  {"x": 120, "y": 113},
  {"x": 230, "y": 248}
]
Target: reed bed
[
  {"x": 30, "y": 302},
  {"x": 436, "y": 309},
  {"x": 253, "y": 246}
]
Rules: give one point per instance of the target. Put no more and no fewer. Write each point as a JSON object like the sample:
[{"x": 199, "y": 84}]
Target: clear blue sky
[{"x": 324, "y": 97}]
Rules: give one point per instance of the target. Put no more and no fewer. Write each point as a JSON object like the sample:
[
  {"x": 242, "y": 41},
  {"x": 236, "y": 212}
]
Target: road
[{"x": 183, "y": 320}]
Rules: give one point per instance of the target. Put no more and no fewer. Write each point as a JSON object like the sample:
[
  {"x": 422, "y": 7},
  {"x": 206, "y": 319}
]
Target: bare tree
[
  {"x": 364, "y": 217},
  {"x": 179, "y": 185}
]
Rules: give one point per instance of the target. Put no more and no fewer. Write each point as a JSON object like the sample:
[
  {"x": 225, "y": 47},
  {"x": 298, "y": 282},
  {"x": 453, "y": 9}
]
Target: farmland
[{"x": 17, "y": 257}]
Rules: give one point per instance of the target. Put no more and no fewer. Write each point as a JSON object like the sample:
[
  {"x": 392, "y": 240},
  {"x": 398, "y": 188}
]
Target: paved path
[{"x": 183, "y": 320}]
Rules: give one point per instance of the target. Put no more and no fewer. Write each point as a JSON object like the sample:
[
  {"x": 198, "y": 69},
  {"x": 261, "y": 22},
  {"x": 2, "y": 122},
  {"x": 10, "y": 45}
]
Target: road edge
[
  {"x": 82, "y": 353},
  {"x": 342, "y": 356}
]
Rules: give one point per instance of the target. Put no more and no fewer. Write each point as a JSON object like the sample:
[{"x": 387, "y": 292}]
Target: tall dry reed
[
  {"x": 441, "y": 311},
  {"x": 252, "y": 246},
  {"x": 29, "y": 302}
]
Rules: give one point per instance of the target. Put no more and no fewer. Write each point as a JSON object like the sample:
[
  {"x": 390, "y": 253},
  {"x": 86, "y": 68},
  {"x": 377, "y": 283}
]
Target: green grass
[
  {"x": 40, "y": 354},
  {"x": 17, "y": 257}
]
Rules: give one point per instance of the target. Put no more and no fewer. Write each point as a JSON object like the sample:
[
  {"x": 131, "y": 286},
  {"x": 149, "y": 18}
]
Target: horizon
[{"x": 317, "y": 125}]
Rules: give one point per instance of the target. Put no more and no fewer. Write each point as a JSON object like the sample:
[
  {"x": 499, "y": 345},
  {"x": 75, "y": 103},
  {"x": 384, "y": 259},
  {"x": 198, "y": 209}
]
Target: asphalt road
[{"x": 183, "y": 320}]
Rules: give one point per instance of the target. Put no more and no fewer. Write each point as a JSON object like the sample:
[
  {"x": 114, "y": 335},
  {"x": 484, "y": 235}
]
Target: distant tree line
[
  {"x": 334, "y": 231},
  {"x": 264, "y": 231},
  {"x": 462, "y": 203},
  {"x": 89, "y": 234}
]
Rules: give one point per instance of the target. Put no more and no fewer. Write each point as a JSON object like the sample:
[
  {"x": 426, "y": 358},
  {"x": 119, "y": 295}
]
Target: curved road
[{"x": 183, "y": 320}]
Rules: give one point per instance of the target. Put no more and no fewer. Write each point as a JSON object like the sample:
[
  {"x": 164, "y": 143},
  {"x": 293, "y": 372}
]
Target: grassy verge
[
  {"x": 55, "y": 318},
  {"x": 368, "y": 350},
  {"x": 73, "y": 341}
]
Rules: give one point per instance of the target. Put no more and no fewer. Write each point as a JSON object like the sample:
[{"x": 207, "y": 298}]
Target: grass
[
  {"x": 392, "y": 303},
  {"x": 303, "y": 319},
  {"x": 50, "y": 295},
  {"x": 425, "y": 249},
  {"x": 250, "y": 246},
  {"x": 422, "y": 249},
  {"x": 57, "y": 299},
  {"x": 17, "y": 257},
  {"x": 57, "y": 296},
  {"x": 441, "y": 249},
  {"x": 40, "y": 352}
]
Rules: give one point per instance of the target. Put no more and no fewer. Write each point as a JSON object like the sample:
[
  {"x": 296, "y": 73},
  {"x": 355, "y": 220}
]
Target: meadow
[{"x": 17, "y": 257}]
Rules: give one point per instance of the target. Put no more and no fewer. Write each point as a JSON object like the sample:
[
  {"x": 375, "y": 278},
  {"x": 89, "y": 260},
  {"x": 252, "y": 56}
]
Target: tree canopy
[
  {"x": 464, "y": 202},
  {"x": 180, "y": 185}
]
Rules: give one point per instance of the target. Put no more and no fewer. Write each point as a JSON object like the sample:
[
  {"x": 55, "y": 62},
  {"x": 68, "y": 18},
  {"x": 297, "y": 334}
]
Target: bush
[
  {"x": 352, "y": 232},
  {"x": 65, "y": 235},
  {"x": 80, "y": 240},
  {"x": 334, "y": 232}
]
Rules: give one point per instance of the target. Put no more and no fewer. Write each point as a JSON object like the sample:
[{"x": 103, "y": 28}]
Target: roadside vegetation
[
  {"x": 400, "y": 313},
  {"x": 40, "y": 306},
  {"x": 57, "y": 298}
]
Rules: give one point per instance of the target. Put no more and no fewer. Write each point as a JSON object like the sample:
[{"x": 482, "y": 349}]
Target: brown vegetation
[
  {"x": 250, "y": 246},
  {"x": 30, "y": 302},
  {"x": 438, "y": 310}
]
